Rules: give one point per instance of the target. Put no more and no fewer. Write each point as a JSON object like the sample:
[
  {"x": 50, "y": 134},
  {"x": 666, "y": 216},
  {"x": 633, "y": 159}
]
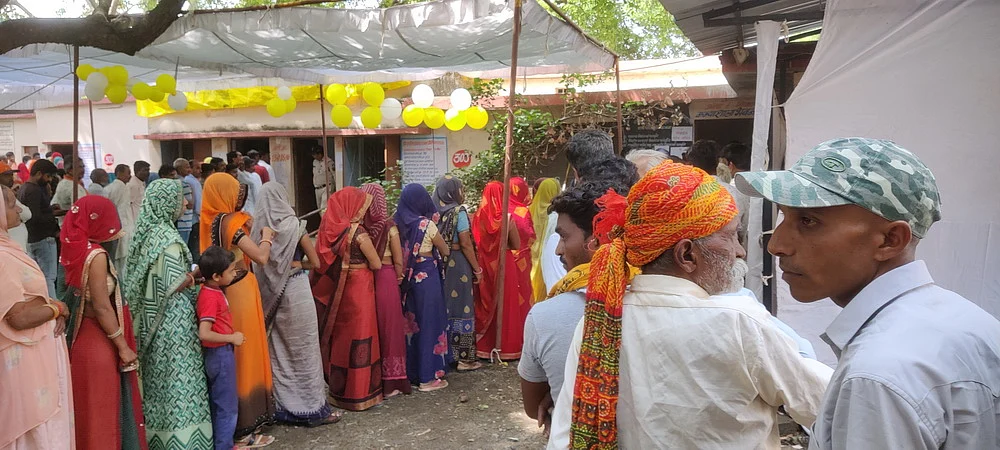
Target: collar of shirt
[
  {"x": 870, "y": 301},
  {"x": 662, "y": 284}
]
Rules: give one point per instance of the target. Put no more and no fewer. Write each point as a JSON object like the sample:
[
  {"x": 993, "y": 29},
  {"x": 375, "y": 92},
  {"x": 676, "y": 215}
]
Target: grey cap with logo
[{"x": 875, "y": 174}]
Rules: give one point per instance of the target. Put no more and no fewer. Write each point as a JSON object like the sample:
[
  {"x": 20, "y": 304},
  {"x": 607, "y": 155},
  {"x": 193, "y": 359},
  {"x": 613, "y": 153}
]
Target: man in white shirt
[
  {"x": 265, "y": 162},
  {"x": 62, "y": 200},
  {"x": 137, "y": 186},
  {"x": 671, "y": 363},
  {"x": 323, "y": 173},
  {"x": 118, "y": 193},
  {"x": 98, "y": 180},
  {"x": 919, "y": 366}
]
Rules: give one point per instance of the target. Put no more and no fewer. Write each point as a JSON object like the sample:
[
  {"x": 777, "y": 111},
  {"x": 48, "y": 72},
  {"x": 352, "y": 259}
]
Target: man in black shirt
[{"x": 43, "y": 229}]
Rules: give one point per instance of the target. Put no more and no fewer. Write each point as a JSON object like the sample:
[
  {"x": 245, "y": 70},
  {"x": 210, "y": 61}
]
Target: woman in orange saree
[
  {"x": 516, "y": 292},
  {"x": 344, "y": 288},
  {"x": 223, "y": 223}
]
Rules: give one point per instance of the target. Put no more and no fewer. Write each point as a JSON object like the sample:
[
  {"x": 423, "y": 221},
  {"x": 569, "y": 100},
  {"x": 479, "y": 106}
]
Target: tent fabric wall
[{"x": 923, "y": 74}]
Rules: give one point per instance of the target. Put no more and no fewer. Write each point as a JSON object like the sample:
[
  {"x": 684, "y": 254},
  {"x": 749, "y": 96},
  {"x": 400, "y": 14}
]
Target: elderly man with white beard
[{"x": 672, "y": 363}]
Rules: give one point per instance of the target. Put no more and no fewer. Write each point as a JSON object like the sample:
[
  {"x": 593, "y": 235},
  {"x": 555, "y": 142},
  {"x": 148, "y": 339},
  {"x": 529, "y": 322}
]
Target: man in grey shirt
[
  {"x": 549, "y": 327},
  {"x": 919, "y": 366}
]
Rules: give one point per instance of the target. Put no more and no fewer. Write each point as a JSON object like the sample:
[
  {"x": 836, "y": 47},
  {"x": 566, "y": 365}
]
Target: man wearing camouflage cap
[{"x": 919, "y": 366}]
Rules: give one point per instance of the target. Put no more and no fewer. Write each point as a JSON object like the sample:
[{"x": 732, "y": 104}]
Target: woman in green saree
[{"x": 161, "y": 294}]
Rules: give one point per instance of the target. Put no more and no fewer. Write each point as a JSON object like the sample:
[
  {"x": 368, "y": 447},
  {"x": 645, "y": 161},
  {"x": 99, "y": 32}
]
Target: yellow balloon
[
  {"x": 84, "y": 70},
  {"x": 477, "y": 117},
  {"x": 341, "y": 116},
  {"x": 156, "y": 94},
  {"x": 276, "y": 107},
  {"x": 166, "y": 83},
  {"x": 116, "y": 74},
  {"x": 433, "y": 118},
  {"x": 455, "y": 121},
  {"x": 141, "y": 91},
  {"x": 336, "y": 94},
  {"x": 116, "y": 93},
  {"x": 290, "y": 105},
  {"x": 413, "y": 116},
  {"x": 373, "y": 94},
  {"x": 371, "y": 117}
]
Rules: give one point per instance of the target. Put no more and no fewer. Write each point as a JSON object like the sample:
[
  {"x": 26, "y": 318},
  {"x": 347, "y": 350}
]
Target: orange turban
[{"x": 670, "y": 203}]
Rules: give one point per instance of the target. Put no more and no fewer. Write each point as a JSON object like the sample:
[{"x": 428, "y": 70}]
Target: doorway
[
  {"x": 302, "y": 165},
  {"x": 364, "y": 157},
  {"x": 245, "y": 145}
]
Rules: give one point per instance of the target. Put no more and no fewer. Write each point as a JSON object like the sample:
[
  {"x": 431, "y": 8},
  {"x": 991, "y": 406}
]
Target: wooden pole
[
  {"x": 326, "y": 153},
  {"x": 76, "y": 114},
  {"x": 618, "y": 97},
  {"x": 505, "y": 225}
]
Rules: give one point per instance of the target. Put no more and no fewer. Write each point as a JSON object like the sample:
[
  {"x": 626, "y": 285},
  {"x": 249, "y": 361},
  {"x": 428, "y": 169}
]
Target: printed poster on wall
[
  {"x": 90, "y": 154},
  {"x": 6, "y": 137},
  {"x": 425, "y": 158}
]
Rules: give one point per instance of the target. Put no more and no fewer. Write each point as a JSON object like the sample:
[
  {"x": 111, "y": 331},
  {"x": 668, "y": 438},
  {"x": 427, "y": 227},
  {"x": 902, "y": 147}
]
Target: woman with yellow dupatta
[
  {"x": 544, "y": 225},
  {"x": 223, "y": 223},
  {"x": 516, "y": 294},
  {"x": 344, "y": 288}
]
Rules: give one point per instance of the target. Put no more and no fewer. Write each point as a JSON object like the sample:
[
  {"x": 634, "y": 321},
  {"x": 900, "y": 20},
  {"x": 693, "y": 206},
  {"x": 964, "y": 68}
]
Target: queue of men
[{"x": 649, "y": 341}]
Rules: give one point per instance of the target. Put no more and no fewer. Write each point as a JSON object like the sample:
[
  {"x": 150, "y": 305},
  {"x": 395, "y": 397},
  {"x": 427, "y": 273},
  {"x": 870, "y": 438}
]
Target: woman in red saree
[
  {"x": 516, "y": 292},
  {"x": 344, "y": 288},
  {"x": 103, "y": 360}
]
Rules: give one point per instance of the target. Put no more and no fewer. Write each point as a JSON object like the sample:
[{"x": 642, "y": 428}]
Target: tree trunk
[{"x": 123, "y": 34}]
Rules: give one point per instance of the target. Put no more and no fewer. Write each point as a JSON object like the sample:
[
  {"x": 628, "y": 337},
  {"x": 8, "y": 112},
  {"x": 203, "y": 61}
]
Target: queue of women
[{"x": 378, "y": 306}]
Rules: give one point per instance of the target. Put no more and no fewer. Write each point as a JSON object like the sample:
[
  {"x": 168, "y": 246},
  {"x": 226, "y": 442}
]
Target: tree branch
[
  {"x": 4, "y": 3},
  {"x": 123, "y": 34}
]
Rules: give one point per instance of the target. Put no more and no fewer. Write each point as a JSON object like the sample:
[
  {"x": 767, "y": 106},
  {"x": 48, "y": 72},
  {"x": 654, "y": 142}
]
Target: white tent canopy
[
  {"x": 921, "y": 73},
  {"x": 322, "y": 45}
]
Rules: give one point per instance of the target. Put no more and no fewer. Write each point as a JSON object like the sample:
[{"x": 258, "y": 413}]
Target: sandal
[
  {"x": 433, "y": 386},
  {"x": 255, "y": 440},
  {"x": 469, "y": 366},
  {"x": 334, "y": 417},
  {"x": 393, "y": 394}
]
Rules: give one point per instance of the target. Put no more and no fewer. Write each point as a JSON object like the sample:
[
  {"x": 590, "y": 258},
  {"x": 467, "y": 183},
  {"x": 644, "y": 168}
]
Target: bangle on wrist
[
  {"x": 55, "y": 311},
  {"x": 266, "y": 241},
  {"x": 478, "y": 272},
  {"x": 121, "y": 331}
]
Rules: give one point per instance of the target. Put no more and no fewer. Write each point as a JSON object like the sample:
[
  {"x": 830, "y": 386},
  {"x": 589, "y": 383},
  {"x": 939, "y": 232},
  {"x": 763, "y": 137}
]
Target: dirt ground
[{"x": 491, "y": 418}]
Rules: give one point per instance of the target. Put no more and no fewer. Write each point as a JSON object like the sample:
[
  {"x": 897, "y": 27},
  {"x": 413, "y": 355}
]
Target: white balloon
[
  {"x": 284, "y": 92},
  {"x": 461, "y": 99},
  {"x": 99, "y": 80},
  {"x": 94, "y": 91},
  {"x": 391, "y": 109},
  {"x": 423, "y": 96},
  {"x": 178, "y": 101}
]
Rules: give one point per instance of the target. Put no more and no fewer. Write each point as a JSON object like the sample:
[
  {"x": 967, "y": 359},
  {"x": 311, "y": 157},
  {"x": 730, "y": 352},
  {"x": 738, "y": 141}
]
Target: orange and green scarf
[{"x": 672, "y": 202}]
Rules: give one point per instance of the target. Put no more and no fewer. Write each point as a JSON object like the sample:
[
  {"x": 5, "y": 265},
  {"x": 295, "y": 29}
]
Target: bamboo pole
[
  {"x": 505, "y": 225},
  {"x": 76, "y": 114},
  {"x": 326, "y": 153},
  {"x": 93, "y": 139},
  {"x": 618, "y": 98}
]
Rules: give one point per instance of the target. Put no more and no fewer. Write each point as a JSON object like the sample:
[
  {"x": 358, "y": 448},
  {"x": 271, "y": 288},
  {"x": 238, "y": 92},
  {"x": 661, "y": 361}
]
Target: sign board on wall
[
  {"x": 722, "y": 109},
  {"x": 425, "y": 158},
  {"x": 682, "y": 134},
  {"x": 6, "y": 138},
  {"x": 461, "y": 159}
]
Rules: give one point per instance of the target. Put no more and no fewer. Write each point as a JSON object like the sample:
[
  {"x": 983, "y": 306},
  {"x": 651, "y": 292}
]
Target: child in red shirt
[{"x": 215, "y": 329}]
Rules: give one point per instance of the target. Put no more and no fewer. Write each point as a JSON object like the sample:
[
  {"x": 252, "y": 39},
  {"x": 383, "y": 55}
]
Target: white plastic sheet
[
  {"x": 325, "y": 45},
  {"x": 924, "y": 74},
  {"x": 767, "y": 54}
]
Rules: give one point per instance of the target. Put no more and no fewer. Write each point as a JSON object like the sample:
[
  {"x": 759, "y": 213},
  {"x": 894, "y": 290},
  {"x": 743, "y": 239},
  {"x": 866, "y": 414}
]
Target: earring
[{"x": 593, "y": 248}]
